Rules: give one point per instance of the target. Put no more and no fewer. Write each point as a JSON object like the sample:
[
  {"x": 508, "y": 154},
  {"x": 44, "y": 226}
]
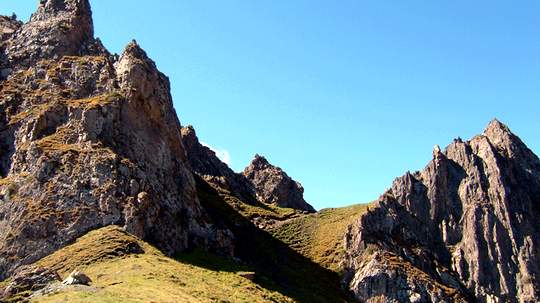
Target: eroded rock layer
[{"x": 465, "y": 228}]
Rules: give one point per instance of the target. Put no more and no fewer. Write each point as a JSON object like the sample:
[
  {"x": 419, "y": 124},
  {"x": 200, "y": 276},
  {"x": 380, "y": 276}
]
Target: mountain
[
  {"x": 105, "y": 197},
  {"x": 76, "y": 152},
  {"x": 90, "y": 140},
  {"x": 464, "y": 229},
  {"x": 261, "y": 182}
]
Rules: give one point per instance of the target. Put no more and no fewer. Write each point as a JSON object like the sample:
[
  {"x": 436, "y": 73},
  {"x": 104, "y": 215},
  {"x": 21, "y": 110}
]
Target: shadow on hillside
[{"x": 277, "y": 266}]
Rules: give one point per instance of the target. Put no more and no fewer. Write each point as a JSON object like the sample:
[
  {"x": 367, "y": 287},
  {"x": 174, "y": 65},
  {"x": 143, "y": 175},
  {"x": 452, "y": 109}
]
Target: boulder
[{"x": 77, "y": 278}]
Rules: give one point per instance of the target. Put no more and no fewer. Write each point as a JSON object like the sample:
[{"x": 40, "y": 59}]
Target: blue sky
[{"x": 344, "y": 95}]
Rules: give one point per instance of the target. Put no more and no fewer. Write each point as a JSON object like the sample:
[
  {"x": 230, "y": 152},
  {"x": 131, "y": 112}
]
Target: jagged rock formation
[
  {"x": 208, "y": 166},
  {"x": 260, "y": 181},
  {"x": 465, "y": 228},
  {"x": 30, "y": 279},
  {"x": 87, "y": 140},
  {"x": 273, "y": 185},
  {"x": 58, "y": 28}
]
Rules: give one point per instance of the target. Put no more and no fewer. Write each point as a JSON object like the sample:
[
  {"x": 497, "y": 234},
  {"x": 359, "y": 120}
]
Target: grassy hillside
[
  {"x": 319, "y": 236},
  {"x": 295, "y": 275},
  {"x": 124, "y": 269}
]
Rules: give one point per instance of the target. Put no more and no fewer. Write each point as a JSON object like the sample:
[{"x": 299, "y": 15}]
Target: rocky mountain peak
[
  {"x": 260, "y": 182},
  {"x": 498, "y": 133},
  {"x": 58, "y": 28},
  {"x": 88, "y": 141},
  {"x": 139, "y": 76},
  {"x": 259, "y": 162},
  {"x": 189, "y": 136},
  {"x": 54, "y": 8},
  {"x": 467, "y": 222},
  {"x": 133, "y": 50},
  {"x": 273, "y": 185},
  {"x": 506, "y": 142}
]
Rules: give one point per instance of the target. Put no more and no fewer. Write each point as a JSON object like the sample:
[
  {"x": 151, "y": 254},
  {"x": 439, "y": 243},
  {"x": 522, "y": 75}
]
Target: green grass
[
  {"x": 125, "y": 269},
  {"x": 319, "y": 236},
  {"x": 279, "y": 266},
  {"x": 267, "y": 212}
]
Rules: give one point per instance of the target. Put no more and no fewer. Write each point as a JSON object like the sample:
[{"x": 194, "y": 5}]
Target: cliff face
[
  {"x": 465, "y": 228},
  {"x": 273, "y": 185},
  {"x": 89, "y": 140},
  {"x": 58, "y": 28}
]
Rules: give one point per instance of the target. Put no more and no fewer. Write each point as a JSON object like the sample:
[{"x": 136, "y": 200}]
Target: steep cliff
[
  {"x": 465, "y": 228},
  {"x": 87, "y": 140}
]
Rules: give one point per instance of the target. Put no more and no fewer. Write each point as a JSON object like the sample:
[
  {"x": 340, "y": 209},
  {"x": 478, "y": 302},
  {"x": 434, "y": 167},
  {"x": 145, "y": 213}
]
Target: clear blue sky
[{"x": 344, "y": 95}]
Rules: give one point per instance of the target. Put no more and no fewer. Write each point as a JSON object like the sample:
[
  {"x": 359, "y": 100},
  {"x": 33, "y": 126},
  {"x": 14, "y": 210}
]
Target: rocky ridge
[
  {"x": 88, "y": 140},
  {"x": 208, "y": 166},
  {"x": 260, "y": 182},
  {"x": 463, "y": 229}
]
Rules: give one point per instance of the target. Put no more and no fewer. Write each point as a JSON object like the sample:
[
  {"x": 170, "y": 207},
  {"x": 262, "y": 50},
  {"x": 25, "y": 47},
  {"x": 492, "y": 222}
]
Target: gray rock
[
  {"x": 77, "y": 278},
  {"x": 28, "y": 280},
  {"x": 273, "y": 185},
  {"x": 58, "y": 28},
  {"x": 468, "y": 222},
  {"x": 89, "y": 140}
]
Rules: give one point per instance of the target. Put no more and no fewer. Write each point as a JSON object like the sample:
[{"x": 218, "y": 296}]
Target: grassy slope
[
  {"x": 319, "y": 236},
  {"x": 295, "y": 275},
  {"x": 268, "y": 213},
  {"x": 124, "y": 269}
]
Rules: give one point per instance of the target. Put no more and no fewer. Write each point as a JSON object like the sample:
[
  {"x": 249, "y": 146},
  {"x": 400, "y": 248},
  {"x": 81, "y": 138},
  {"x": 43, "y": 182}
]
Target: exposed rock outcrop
[
  {"x": 259, "y": 183},
  {"x": 273, "y": 185},
  {"x": 87, "y": 141},
  {"x": 58, "y": 28},
  {"x": 467, "y": 224},
  {"x": 28, "y": 280},
  {"x": 208, "y": 166},
  {"x": 77, "y": 278}
]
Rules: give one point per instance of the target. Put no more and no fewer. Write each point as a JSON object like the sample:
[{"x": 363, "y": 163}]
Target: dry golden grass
[
  {"x": 95, "y": 101},
  {"x": 124, "y": 269},
  {"x": 33, "y": 111},
  {"x": 320, "y": 236},
  {"x": 265, "y": 211}
]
